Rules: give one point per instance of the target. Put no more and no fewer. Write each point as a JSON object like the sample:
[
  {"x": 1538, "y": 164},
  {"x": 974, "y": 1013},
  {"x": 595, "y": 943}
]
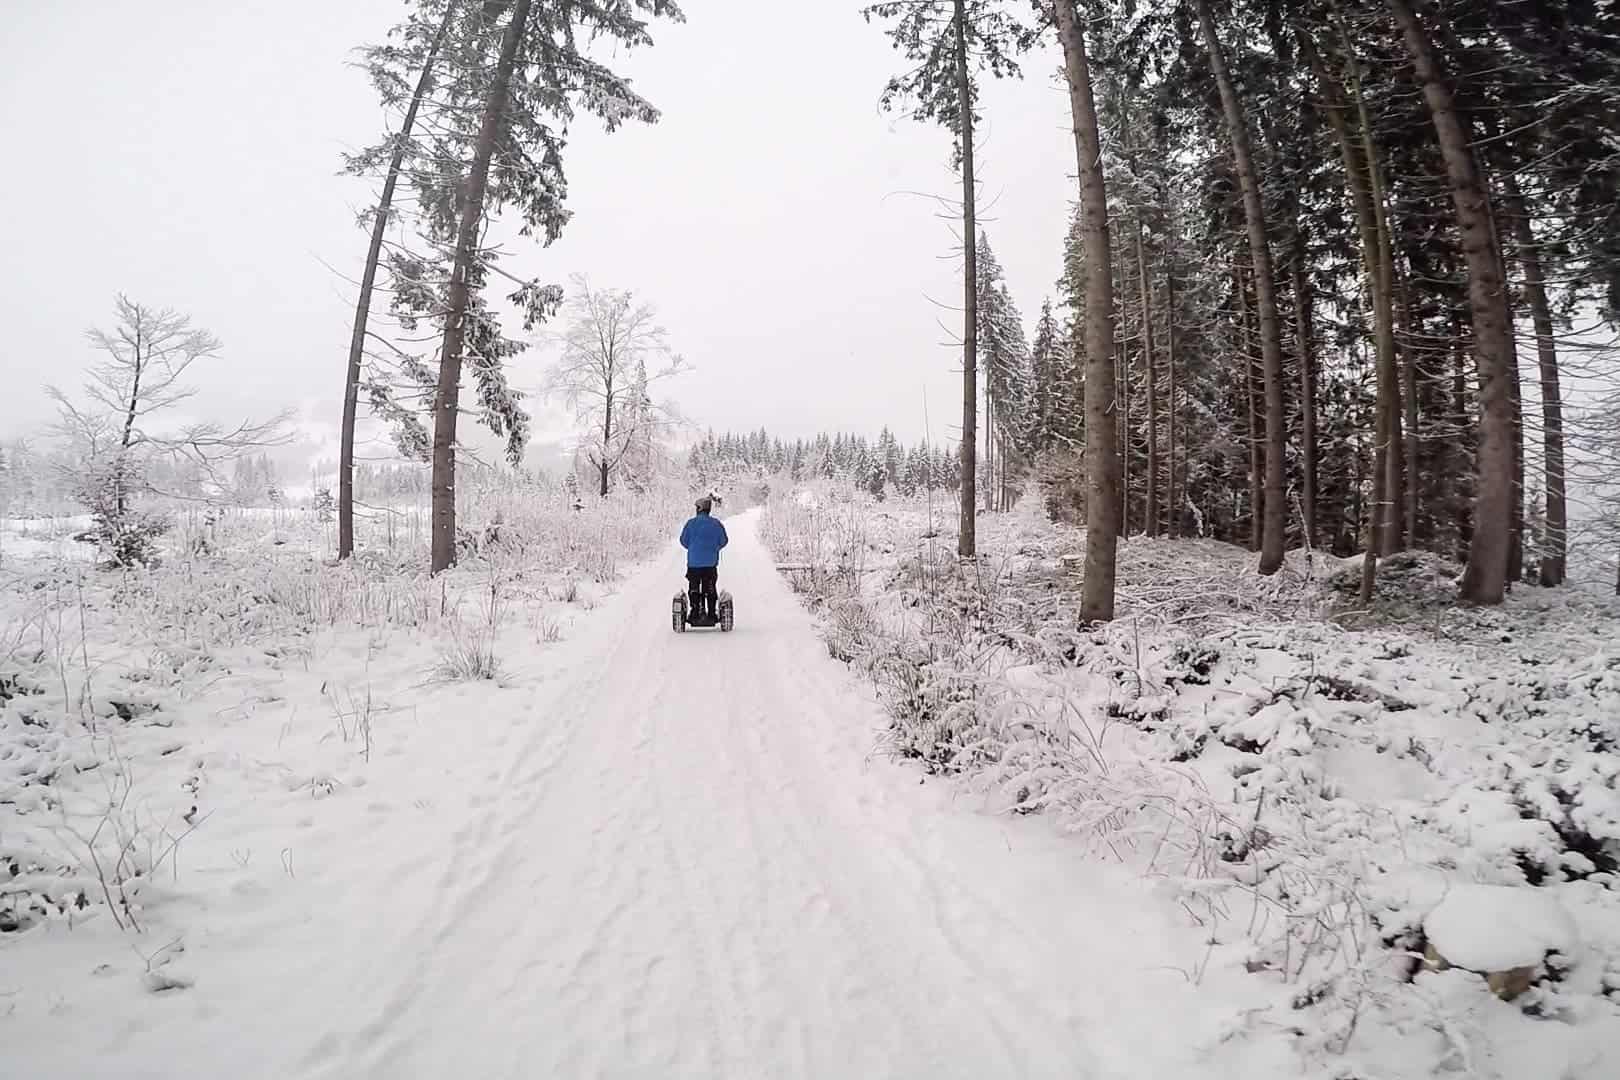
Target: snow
[
  {"x": 1495, "y": 928},
  {"x": 1207, "y": 840},
  {"x": 634, "y": 853},
  {"x": 1308, "y": 780}
]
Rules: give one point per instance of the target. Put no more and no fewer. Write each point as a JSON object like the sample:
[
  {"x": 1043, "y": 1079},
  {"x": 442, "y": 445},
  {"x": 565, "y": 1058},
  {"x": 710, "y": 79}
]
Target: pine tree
[
  {"x": 892, "y": 459},
  {"x": 499, "y": 127},
  {"x": 1008, "y": 375},
  {"x": 1048, "y": 369},
  {"x": 950, "y": 41},
  {"x": 876, "y": 477}
]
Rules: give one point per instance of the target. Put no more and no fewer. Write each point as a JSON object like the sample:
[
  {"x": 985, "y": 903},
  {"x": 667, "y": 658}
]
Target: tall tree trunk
[
  {"x": 1171, "y": 403},
  {"x": 446, "y": 399},
  {"x": 1485, "y": 579},
  {"x": 368, "y": 281},
  {"x": 1391, "y": 537},
  {"x": 1304, "y": 335},
  {"x": 1122, "y": 412},
  {"x": 1515, "y": 571},
  {"x": 1363, "y": 178},
  {"x": 1381, "y": 510},
  {"x": 1251, "y": 427},
  {"x": 1102, "y": 449},
  {"x": 966, "y": 541},
  {"x": 1273, "y": 535},
  {"x": 1152, "y": 383},
  {"x": 1554, "y": 557},
  {"x": 1409, "y": 397},
  {"x": 1462, "y": 522},
  {"x": 998, "y": 466},
  {"x": 989, "y": 462},
  {"x": 607, "y": 436},
  {"x": 127, "y": 436}
]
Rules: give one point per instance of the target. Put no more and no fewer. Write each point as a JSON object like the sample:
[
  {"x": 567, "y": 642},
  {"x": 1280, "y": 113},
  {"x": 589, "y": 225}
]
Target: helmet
[{"x": 705, "y": 504}]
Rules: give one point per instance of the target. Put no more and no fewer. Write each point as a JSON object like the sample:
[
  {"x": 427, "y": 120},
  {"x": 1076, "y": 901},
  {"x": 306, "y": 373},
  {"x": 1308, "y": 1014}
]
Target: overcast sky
[{"x": 186, "y": 152}]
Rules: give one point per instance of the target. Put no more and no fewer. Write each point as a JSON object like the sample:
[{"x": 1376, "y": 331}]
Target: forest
[
  {"x": 1341, "y": 276},
  {"x": 1315, "y": 249}
]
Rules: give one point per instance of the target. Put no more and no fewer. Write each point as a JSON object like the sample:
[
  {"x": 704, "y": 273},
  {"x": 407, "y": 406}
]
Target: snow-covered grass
[
  {"x": 1311, "y": 781},
  {"x": 246, "y": 674}
]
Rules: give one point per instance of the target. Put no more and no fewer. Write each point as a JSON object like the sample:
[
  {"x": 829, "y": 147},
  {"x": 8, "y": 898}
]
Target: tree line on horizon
[{"x": 876, "y": 466}]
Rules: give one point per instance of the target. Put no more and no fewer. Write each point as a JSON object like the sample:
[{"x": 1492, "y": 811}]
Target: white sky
[{"x": 186, "y": 152}]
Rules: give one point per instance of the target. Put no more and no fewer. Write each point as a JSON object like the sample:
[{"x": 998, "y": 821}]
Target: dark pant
[{"x": 705, "y": 600}]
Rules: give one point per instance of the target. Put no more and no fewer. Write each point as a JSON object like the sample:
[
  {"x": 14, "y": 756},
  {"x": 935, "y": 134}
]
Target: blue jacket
[{"x": 703, "y": 537}]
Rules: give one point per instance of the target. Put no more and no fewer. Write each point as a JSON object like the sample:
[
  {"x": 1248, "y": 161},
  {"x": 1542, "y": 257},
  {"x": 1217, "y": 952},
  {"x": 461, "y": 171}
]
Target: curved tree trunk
[
  {"x": 368, "y": 281},
  {"x": 965, "y": 542},
  {"x": 1102, "y": 449},
  {"x": 1485, "y": 579},
  {"x": 1275, "y": 521},
  {"x": 446, "y": 398}
]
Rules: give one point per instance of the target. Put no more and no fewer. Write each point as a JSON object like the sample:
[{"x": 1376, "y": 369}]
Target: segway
[{"x": 682, "y": 613}]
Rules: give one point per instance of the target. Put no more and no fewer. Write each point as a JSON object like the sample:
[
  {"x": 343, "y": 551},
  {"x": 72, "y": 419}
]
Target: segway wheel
[
  {"x": 677, "y": 613},
  {"x": 725, "y": 613}
]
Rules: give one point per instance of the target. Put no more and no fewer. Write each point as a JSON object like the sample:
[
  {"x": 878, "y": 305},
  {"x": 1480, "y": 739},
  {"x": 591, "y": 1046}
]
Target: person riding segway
[{"x": 703, "y": 536}]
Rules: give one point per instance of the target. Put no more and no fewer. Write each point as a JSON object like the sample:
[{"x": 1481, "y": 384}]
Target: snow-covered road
[{"x": 680, "y": 859}]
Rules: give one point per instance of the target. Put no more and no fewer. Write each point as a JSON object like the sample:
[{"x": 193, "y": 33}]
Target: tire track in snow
[
  {"x": 875, "y": 919},
  {"x": 480, "y": 849},
  {"x": 690, "y": 870}
]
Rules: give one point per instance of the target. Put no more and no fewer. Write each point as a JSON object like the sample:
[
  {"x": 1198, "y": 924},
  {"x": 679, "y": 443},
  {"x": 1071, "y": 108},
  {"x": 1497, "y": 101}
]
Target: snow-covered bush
[
  {"x": 821, "y": 532},
  {"x": 125, "y": 534},
  {"x": 1310, "y": 791},
  {"x": 105, "y": 679}
]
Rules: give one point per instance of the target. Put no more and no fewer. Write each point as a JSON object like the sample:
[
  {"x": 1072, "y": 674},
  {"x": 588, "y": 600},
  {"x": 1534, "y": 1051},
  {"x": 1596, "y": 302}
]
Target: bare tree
[
  {"x": 612, "y": 352},
  {"x": 147, "y": 357}
]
